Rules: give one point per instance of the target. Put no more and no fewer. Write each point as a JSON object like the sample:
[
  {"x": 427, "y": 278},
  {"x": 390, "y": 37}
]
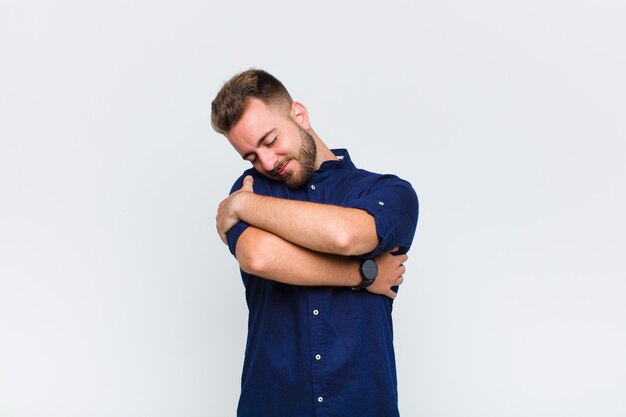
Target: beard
[{"x": 306, "y": 158}]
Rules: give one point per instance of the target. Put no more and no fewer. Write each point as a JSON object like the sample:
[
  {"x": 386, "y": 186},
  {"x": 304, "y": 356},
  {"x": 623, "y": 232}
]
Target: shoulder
[
  {"x": 369, "y": 177},
  {"x": 372, "y": 180},
  {"x": 262, "y": 184},
  {"x": 391, "y": 191},
  {"x": 394, "y": 185}
]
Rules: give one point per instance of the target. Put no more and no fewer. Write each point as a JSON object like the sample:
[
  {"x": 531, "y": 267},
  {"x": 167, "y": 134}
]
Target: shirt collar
[{"x": 343, "y": 161}]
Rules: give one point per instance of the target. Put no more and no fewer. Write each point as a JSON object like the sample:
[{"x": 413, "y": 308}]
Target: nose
[{"x": 267, "y": 159}]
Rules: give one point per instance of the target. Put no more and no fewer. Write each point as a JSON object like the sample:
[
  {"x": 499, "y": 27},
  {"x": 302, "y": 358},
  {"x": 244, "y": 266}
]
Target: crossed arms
[{"x": 303, "y": 243}]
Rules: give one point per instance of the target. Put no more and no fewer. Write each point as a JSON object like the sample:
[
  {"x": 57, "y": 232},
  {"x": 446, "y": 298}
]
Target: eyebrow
[{"x": 258, "y": 144}]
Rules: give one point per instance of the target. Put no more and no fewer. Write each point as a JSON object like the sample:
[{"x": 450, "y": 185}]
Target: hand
[
  {"x": 227, "y": 211},
  {"x": 390, "y": 271}
]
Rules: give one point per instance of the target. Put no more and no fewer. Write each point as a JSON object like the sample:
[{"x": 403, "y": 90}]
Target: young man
[{"x": 321, "y": 246}]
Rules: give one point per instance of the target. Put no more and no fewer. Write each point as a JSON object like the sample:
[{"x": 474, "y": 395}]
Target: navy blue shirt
[{"x": 325, "y": 351}]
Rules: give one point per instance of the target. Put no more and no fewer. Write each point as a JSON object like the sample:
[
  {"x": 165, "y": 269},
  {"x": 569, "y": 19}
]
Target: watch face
[{"x": 370, "y": 269}]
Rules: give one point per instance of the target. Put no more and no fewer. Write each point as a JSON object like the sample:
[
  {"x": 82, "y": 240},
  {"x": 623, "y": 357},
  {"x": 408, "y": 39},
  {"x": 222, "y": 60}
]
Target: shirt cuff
[
  {"x": 384, "y": 228},
  {"x": 233, "y": 235}
]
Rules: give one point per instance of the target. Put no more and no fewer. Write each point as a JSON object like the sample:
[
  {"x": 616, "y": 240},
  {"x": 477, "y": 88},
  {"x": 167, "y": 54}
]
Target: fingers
[
  {"x": 391, "y": 294},
  {"x": 403, "y": 257},
  {"x": 248, "y": 182},
  {"x": 220, "y": 231}
]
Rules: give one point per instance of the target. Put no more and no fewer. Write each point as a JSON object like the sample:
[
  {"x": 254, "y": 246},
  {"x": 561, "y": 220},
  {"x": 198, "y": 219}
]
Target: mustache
[{"x": 278, "y": 168}]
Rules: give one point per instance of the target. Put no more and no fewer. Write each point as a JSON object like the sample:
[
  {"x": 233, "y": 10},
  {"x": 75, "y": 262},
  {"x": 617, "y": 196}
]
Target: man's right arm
[{"x": 269, "y": 256}]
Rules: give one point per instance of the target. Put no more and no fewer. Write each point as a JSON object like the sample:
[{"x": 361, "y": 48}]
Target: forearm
[
  {"x": 269, "y": 256},
  {"x": 319, "y": 227}
]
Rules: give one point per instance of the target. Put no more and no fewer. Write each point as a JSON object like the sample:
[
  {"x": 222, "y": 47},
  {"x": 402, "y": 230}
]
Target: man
[{"x": 321, "y": 246}]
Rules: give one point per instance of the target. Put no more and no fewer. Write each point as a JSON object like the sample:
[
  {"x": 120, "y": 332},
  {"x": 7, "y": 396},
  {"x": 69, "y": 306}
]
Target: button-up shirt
[{"x": 325, "y": 351}]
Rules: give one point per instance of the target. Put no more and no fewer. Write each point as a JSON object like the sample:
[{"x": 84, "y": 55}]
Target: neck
[{"x": 323, "y": 152}]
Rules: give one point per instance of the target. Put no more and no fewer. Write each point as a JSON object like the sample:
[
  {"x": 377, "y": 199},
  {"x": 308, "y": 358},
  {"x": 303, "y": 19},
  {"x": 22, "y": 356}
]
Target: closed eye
[{"x": 251, "y": 156}]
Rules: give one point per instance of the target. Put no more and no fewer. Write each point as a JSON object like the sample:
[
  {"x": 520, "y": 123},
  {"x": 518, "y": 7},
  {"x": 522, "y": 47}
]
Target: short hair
[{"x": 230, "y": 103}]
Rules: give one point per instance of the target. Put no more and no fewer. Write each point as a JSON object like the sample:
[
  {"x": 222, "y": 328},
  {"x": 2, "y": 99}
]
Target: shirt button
[
  {"x": 312, "y": 187},
  {"x": 318, "y": 357},
  {"x": 315, "y": 312},
  {"x": 320, "y": 399},
  {"x": 381, "y": 203}
]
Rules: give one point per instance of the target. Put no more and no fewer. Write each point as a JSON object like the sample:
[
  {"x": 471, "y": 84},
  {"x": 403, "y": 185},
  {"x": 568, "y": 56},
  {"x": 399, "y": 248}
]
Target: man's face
[{"x": 275, "y": 144}]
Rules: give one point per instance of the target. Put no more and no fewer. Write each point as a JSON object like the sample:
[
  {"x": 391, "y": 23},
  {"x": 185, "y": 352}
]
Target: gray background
[{"x": 117, "y": 297}]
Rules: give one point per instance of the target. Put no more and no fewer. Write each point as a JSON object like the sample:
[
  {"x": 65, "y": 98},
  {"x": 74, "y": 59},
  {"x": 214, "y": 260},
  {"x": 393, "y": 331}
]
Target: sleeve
[
  {"x": 394, "y": 205},
  {"x": 260, "y": 187}
]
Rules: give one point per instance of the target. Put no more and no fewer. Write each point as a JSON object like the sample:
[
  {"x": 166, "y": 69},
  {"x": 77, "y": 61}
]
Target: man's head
[
  {"x": 230, "y": 103},
  {"x": 262, "y": 122}
]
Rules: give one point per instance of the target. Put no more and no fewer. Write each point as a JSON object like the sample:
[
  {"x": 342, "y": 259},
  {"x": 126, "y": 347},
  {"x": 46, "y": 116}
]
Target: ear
[{"x": 300, "y": 115}]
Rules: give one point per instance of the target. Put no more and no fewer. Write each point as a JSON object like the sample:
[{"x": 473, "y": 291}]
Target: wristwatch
[{"x": 368, "y": 270}]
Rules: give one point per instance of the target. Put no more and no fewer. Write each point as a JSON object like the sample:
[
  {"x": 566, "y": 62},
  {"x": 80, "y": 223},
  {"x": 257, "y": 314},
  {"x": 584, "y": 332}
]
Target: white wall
[{"x": 117, "y": 297}]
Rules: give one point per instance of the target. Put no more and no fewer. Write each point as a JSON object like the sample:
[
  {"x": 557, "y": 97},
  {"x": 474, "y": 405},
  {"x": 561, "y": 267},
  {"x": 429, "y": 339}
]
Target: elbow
[
  {"x": 250, "y": 258},
  {"x": 251, "y": 264}
]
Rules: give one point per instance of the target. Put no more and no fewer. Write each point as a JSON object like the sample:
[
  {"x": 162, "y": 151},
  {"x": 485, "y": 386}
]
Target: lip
[{"x": 283, "y": 170}]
